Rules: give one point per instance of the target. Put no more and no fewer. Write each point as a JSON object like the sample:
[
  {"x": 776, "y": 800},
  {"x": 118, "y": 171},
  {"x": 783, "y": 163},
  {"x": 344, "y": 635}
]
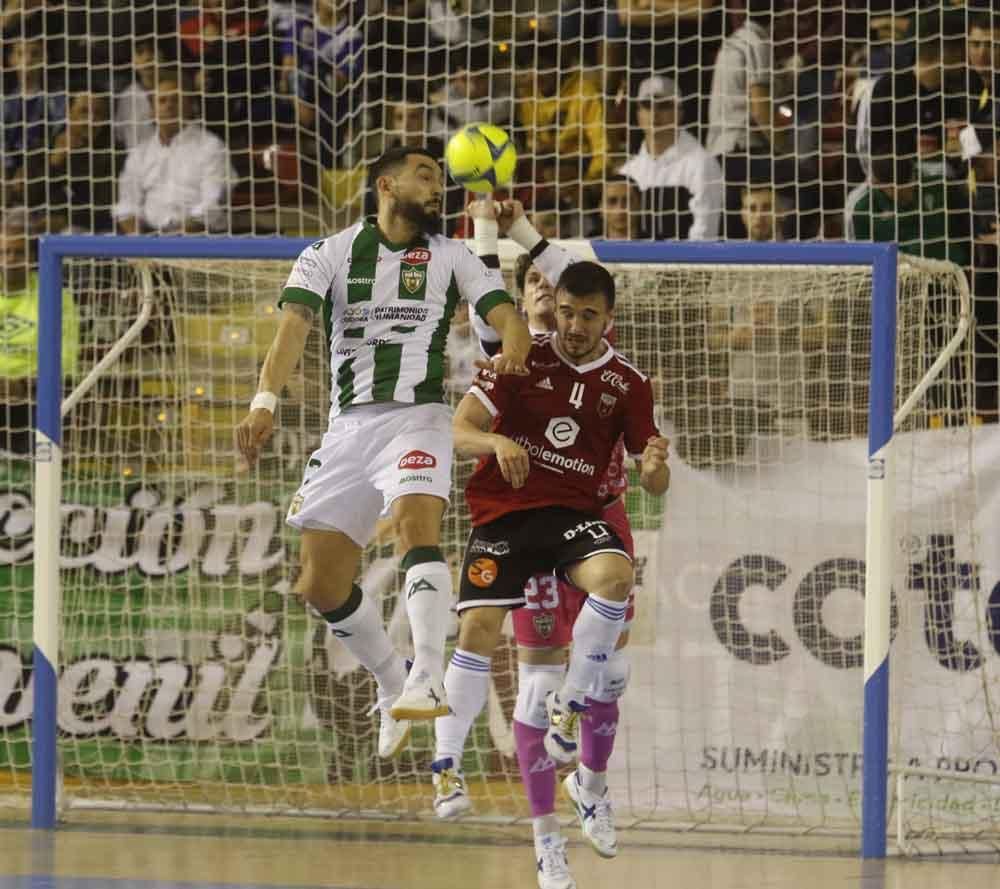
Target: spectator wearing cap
[{"x": 681, "y": 183}]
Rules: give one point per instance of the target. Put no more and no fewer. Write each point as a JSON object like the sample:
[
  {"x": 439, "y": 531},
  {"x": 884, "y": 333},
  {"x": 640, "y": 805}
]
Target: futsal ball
[{"x": 481, "y": 157}]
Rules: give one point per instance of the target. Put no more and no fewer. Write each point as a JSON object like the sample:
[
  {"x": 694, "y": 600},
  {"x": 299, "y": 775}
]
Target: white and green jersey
[{"x": 387, "y": 309}]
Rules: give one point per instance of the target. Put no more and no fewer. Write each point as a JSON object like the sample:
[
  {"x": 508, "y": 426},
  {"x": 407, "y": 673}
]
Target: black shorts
[{"x": 502, "y": 556}]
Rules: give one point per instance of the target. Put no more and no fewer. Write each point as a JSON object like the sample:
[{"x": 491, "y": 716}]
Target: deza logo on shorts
[{"x": 418, "y": 460}]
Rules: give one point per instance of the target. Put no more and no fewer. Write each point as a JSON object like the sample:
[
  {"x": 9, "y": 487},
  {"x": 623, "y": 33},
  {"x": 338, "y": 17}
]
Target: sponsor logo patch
[
  {"x": 615, "y": 379},
  {"x": 544, "y": 624},
  {"x": 414, "y": 479},
  {"x": 418, "y": 460},
  {"x": 545, "y": 383},
  {"x": 491, "y": 547},
  {"x": 417, "y": 256},
  {"x": 562, "y": 431},
  {"x": 483, "y": 572}
]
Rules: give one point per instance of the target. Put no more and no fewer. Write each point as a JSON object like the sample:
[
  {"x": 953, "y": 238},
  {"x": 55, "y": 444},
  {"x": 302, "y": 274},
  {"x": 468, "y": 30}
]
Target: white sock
[
  {"x": 467, "y": 684},
  {"x": 365, "y": 637},
  {"x": 595, "y": 635},
  {"x": 428, "y": 598},
  {"x": 544, "y": 825},
  {"x": 593, "y": 782}
]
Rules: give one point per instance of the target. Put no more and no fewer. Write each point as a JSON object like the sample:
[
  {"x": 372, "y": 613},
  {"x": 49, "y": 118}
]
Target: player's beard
[{"x": 420, "y": 215}]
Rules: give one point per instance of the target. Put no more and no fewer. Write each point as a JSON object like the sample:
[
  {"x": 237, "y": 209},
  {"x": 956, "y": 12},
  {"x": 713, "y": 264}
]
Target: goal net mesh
[{"x": 192, "y": 676}]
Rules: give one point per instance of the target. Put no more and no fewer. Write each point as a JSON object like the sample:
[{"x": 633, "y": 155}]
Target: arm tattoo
[{"x": 303, "y": 311}]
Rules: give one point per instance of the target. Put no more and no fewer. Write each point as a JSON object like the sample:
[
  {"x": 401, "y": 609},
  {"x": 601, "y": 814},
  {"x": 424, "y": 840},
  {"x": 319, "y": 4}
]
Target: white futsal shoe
[
  {"x": 392, "y": 733},
  {"x": 451, "y": 799},
  {"x": 553, "y": 865},
  {"x": 422, "y": 697},
  {"x": 597, "y": 820}
]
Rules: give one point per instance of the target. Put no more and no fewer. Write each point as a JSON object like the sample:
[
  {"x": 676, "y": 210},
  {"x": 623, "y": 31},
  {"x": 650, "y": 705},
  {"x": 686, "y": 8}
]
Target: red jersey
[{"x": 569, "y": 418}]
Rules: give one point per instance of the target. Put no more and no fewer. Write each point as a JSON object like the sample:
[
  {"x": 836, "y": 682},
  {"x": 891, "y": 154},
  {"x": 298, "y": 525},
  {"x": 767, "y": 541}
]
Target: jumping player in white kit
[{"x": 386, "y": 288}]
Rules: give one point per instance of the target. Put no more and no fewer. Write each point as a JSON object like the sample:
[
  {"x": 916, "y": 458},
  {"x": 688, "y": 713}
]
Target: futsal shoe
[
  {"x": 553, "y": 865},
  {"x": 451, "y": 799},
  {"x": 423, "y": 697},
  {"x": 392, "y": 733},
  {"x": 597, "y": 820},
  {"x": 560, "y": 738}
]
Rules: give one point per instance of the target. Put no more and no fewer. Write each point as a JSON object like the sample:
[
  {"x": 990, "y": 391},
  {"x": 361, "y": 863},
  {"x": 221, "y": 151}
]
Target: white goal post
[{"x": 772, "y": 363}]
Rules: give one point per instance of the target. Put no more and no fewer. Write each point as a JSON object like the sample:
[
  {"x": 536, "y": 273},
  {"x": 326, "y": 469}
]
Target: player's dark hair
[
  {"x": 586, "y": 278},
  {"x": 391, "y": 161}
]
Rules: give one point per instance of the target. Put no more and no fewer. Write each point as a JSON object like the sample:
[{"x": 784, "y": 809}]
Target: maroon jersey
[{"x": 569, "y": 418}]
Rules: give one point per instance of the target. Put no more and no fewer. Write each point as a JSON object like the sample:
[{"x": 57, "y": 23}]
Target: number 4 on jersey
[{"x": 576, "y": 396}]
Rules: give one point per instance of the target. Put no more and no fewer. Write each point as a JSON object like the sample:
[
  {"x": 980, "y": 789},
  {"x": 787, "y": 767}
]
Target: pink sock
[
  {"x": 538, "y": 771},
  {"x": 597, "y": 734}
]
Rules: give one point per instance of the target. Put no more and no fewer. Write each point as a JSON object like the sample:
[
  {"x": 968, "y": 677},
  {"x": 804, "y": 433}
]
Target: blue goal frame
[{"x": 881, "y": 258}]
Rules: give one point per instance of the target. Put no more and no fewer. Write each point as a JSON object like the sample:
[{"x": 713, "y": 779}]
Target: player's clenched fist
[
  {"x": 252, "y": 434},
  {"x": 512, "y": 460},
  {"x": 483, "y": 208},
  {"x": 654, "y": 474}
]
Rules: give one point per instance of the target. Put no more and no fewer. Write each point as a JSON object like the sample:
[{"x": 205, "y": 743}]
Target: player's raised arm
[
  {"x": 282, "y": 357},
  {"x": 299, "y": 302},
  {"x": 501, "y": 315},
  {"x": 550, "y": 259},
  {"x": 473, "y": 438}
]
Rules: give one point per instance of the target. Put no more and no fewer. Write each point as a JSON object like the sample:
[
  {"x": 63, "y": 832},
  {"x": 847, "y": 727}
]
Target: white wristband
[
  {"x": 524, "y": 233},
  {"x": 266, "y": 400},
  {"x": 486, "y": 234}
]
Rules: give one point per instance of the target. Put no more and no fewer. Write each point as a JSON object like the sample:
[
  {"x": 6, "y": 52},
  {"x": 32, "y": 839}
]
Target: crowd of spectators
[{"x": 861, "y": 119}]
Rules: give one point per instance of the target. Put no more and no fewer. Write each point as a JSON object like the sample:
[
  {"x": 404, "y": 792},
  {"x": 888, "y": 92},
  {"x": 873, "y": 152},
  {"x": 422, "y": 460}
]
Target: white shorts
[{"x": 369, "y": 456}]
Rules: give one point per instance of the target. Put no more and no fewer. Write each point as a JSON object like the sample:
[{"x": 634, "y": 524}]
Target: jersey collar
[
  {"x": 590, "y": 365},
  {"x": 371, "y": 224}
]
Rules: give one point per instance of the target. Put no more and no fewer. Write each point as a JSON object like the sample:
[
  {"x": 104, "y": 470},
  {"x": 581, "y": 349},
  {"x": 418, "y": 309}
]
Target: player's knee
[
  {"x": 613, "y": 679},
  {"x": 534, "y": 682},
  {"x": 319, "y": 589},
  {"x": 479, "y": 630},
  {"x": 417, "y": 521},
  {"x": 616, "y": 585}
]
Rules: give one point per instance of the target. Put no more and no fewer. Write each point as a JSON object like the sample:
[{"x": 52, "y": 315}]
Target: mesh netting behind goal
[{"x": 193, "y": 677}]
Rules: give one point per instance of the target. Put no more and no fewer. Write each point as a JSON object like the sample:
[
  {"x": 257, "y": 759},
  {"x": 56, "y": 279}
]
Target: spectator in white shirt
[
  {"x": 681, "y": 183},
  {"x": 178, "y": 178},
  {"x": 134, "y": 119}
]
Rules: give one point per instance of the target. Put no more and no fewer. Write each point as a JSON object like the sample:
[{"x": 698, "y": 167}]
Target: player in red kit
[{"x": 537, "y": 498}]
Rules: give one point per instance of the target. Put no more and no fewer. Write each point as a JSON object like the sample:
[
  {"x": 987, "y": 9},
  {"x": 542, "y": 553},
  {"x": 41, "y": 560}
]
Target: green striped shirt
[{"x": 387, "y": 309}]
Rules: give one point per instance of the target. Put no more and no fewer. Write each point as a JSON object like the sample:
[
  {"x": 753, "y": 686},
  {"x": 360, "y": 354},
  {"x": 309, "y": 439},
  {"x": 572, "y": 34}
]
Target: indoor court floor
[{"x": 120, "y": 850}]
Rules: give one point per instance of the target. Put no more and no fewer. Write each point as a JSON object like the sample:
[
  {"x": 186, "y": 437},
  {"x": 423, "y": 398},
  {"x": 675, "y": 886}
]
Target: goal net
[{"x": 192, "y": 677}]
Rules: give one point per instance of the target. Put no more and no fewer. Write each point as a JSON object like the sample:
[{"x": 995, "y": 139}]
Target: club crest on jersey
[
  {"x": 606, "y": 405},
  {"x": 413, "y": 278},
  {"x": 544, "y": 624},
  {"x": 417, "y": 460}
]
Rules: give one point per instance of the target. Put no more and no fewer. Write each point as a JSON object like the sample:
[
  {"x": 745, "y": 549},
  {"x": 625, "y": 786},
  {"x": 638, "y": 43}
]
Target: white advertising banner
[{"x": 746, "y": 692}]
